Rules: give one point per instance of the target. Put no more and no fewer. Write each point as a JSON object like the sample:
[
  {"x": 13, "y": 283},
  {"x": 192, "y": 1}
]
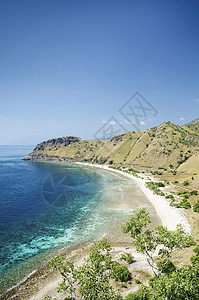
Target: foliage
[
  {"x": 179, "y": 285},
  {"x": 166, "y": 266},
  {"x": 182, "y": 284},
  {"x": 133, "y": 170},
  {"x": 195, "y": 258},
  {"x": 137, "y": 281},
  {"x": 196, "y": 207},
  {"x": 183, "y": 204},
  {"x": 159, "y": 238},
  {"x": 134, "y": 296},
  {"x": 156, "y": 173},
  {"x": 154, "y": 187},
  {"x": 120, "y": 272},
  {"x": 185, "y": 183},
  {"x": 128, "y": 257},
  {"x": 182, "y": 193},
  {"x": 92, "y": 278},
  {"x": 194, "y": 192},
  {"x": 169, "y": 196}
]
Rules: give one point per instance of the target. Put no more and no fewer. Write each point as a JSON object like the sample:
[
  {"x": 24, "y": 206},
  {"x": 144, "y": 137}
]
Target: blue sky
[{"x": 67, "y": 67}]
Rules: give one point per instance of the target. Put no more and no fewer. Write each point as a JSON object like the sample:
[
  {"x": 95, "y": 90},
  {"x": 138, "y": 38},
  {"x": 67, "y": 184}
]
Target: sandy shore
[
  {"x": 170, "y": 216},
  {"x": 43, "y": 283}
]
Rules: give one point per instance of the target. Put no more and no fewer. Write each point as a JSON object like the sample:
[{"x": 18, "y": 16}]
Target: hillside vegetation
[{"x": 161, "y": 146}]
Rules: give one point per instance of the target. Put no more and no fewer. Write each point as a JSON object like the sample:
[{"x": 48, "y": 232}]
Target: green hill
[{"x": 161, "y": 146}]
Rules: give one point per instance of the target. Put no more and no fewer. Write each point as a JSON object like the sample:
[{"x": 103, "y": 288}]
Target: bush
[
  {"x": 134, "y": 296},
  {"x": 128, "y": 257},
  {"x": 169, "y": 197},
  {"x": 137, "y": 281},
  {"x": 159, "y": 184},
  {"x": 166, "y": 267},
  {"x": 182, "y": 193},
  {"x": 196, "y": 207},
  {"x": 184, "y": 204},
  {"x": 195, "y": 258},
  {"x": 154, "y": 187},
  {"x": 161, "y": 194},
  {"x": 185, "y": 183},
  {"x": 194, "y": 192},
  {"x": 120, "y": 272}
]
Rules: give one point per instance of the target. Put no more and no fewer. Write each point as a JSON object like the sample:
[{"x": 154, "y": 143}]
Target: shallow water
[{"x": 45, "y": 207}]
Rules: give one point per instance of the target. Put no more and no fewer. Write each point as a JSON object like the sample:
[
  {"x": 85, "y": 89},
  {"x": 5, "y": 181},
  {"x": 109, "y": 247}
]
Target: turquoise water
[{"x": 45, "y": 207}]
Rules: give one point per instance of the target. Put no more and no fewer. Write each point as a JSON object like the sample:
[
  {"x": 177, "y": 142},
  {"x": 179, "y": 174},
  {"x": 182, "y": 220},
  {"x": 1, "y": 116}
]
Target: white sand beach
[{"x": 170, "y": 216}]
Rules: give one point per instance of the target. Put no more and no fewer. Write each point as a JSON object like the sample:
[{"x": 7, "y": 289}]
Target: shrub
[
  {"x": 185, "y": 183},
  {"x": 194, "y": 192},
  {"x": 184, "y": 204},
  {"x": 186, "y": 196},
  {"x": 169, "y": 197},
  {"x": 128, "y": 257},
  {"x": 159, "y": 184},
  {"x": 161, "y": 194},
  {"x": 137, "y": 281},
  {"x": 166, "y": 266},
  {"x": 195, "y": 258},
  {"x": 134, "y": 296},
  {"x": 120, "y": 272},
  {"x": 182, "y": 193},
  {"x": 196, "y": 207}
]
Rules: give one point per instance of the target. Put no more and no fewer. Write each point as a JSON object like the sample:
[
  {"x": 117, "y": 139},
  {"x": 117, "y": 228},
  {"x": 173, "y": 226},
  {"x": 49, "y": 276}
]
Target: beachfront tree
[
  {"x": 157, "y": 243},
  {"x": 179, "y": 285},
  {"x": 91, "y": 280}
]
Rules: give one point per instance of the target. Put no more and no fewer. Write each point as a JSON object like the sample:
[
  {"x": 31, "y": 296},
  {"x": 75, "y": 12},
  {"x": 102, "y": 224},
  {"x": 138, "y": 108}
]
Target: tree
[
  {"x": 91, "y": 279},
  {"x": 159, "y": 241},
  {"x": 179, "y": 285}
]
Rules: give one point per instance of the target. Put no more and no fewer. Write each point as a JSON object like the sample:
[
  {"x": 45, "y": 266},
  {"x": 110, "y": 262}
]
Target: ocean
[{"x": 45, "y": 207}]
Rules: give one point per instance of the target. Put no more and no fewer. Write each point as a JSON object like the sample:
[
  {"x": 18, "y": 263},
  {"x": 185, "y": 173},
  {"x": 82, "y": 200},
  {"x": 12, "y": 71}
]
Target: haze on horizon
[{"x": 67, "y": 68}]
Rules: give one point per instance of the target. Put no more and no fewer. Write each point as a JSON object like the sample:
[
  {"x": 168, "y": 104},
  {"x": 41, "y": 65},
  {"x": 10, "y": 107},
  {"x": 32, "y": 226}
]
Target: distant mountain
[{"x": 160, "y": 146}]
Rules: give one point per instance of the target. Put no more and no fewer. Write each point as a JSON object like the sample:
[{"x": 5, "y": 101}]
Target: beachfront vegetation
[
  {"x": 168, "y": 282},
  {"x": 179, "y": 285},
  {"x": 158, "y": 239},
  {"x": 154, "y": 186},
  {"x": 92, "y": 279}
]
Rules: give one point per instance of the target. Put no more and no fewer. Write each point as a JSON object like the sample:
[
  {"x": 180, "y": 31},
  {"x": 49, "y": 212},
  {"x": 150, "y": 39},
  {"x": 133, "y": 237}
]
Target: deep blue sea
[{"x": 45, "y": 207}]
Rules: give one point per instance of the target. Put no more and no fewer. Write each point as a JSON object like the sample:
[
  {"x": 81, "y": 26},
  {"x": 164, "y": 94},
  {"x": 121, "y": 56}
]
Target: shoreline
[{"x": 169, "y": 216}]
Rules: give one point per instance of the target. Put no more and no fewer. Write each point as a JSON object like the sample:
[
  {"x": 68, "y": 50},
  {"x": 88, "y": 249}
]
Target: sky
[{"x": 70, "y": 67}]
